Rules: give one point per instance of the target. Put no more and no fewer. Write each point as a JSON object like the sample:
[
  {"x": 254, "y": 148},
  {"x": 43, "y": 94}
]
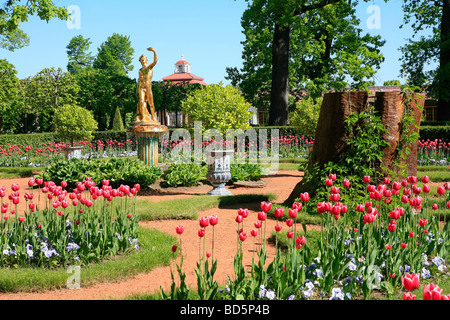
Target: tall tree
[
  {"x": 115, "y": 55},
  {"x": 435, "y": 48},
  {"x": 46, "y": 91},
  {"x": 8, "y": 89},
  {"x": 78, "y": 54},
  {"x": 295, "y": 46}
]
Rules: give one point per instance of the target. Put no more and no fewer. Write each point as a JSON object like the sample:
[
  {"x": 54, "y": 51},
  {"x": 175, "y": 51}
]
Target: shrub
[
  {"x": 184, "y": 175},
  {"x": 117, "y": 170},
  {"x": 218, "y": 107},
  {"x": 74, "y": 123},
  {"x": 306, "y": 116},
  {"x": 245, "y": 172}
]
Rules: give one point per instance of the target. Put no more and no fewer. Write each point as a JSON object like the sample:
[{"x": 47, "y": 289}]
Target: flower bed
[
  {"x": 85, "y": 225},
  {"x": 362, "y": 247}
]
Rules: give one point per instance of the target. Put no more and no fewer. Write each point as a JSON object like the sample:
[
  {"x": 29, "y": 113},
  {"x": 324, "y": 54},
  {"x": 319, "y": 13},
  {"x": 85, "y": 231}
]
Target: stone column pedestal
[{"x": 147, "y": 135}]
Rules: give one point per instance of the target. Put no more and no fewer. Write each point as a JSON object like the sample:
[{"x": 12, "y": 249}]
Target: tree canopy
[{"x": 297, "y": 47}]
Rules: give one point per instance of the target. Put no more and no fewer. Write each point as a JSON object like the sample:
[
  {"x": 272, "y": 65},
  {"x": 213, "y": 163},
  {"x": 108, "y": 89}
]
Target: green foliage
[
  {"x": 117, "y": 170},
  {"x": 218, "y": 107},
  {"x": 306, "y": 115},
  {"x": 327, "y": 49},
  {"x": 77, "y": 52},
  {"x": 74, "y": 123},
  {"x": 184, "y": 174},
  {"x": 392, "y": 83},
  {"x": 8, "y": 89},
  {"x": 44, "y": 93},
  {"x": 245, "y": 172},
  {"x": 12, "y": 40},
  {"x": 115, "y": 55},
  {"x": 117, "y": 121}
]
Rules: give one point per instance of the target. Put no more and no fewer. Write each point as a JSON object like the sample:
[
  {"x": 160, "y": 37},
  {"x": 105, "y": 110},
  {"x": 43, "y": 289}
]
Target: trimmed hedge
[{"x": 435, "y": 132}]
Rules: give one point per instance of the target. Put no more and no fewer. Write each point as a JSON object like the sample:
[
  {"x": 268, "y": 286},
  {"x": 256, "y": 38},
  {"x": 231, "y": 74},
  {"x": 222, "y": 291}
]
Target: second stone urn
[{"x": 219, "y": 171}]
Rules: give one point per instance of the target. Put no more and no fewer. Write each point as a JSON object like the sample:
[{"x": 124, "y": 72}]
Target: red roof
[
  {"x": 186, "y": 77},
  {"x": 182, "y": 62}
]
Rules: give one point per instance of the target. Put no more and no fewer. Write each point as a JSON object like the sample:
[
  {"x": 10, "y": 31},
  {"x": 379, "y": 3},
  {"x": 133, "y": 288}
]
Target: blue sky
[{"x": 207, "y": 32}]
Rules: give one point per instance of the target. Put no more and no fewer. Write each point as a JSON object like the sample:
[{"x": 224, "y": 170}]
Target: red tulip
[
  {"x": 300, "y": 241},
  {"x": 392, "y": 226},
  {"x": 204, "y": 222},
  {"x": 432, "y": 292},
  {"x": 403, "y": 245},
  {"x": 304, "y": 197},
  {"x": 366, "y": 179},
  {"x": 21, "y": 219},
  {"x": 423, "y": 222},
  {"x": 174, "y": 248},
  {"x": 434, "y": 206},
  {"x": 409, "y": 296},
  {"x": 254, "y": 232},
  {"x": 293, "y": 213},
  {"x": 289, "y": 222},
  {"x": 411, "y": 281},
  {"x": 346, "y": 183},
  {"x": 39, "y": 181},
  {"x": 440, "y": 190},
  {"x": 257, "y": 224},
  {"x": 279, "y": 212},
  {"x": 242, "y": 236},
  {"x": 179, "y": 229},
  {"x": 425, "y": 179},
  {"x": 297, "y": 206},
  {"x": 261, "y": 216},
  {"x": 426, "y": 188},
  {"x": 332, "y": 176},
  {"x": 239, "y": 219},
  {"x": 388, "y": 247},
  {"x": 290, "y": 234},
  {"x": 31, "y": 182},
  {"x": 213, "y": 220},
  {"x": 32, "y": 206},
  {"x": 278, "y": 228},
  {"x": 266, "y": 206},
  {"x": 396, "y": 186},
  {"x": 243, "y": 212},
  {"x": 201, "y": 233},
  {"x": 64, "y": 184},
  {"x": 386, "y": 181}
]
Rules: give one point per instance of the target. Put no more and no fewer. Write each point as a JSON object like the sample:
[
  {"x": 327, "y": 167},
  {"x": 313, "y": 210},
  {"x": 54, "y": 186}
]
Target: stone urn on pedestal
[{"x": 219, "y": 174}]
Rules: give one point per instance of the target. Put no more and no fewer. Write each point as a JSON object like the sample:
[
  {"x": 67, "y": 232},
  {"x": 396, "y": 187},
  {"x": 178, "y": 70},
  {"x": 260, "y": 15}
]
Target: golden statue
[{"x": 144, "y": 90}]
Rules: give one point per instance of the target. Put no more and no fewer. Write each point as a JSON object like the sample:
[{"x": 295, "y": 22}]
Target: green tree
[
  {"x": 295, "y": 46},
  {"x": 15, "y": 12},
  {"x": 45, "y": 92},
  {"x": 417, "y": 55},
  {"x": 9, "y": 85},
  {"x": 218, "y": 107},
  {"x": 117, "y": 121},
  {"x": 78, "y": 54},
  {"x": 115, "y": 55}
]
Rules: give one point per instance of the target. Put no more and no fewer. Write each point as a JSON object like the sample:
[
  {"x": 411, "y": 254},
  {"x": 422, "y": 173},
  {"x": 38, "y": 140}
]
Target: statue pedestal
[{"x": 147, "y": 135}]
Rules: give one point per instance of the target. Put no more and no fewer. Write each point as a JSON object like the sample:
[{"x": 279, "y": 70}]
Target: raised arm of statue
[{"x": 155, "y": 58}]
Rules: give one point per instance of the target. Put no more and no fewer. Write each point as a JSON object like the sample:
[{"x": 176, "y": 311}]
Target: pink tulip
[
  {"x": 411, "y": 281},
  {"x": 266, "y": 206},
  {"x": 409, "y": 296},
  {"x": 179, "y": 229},
  {"x": 432, "y": 292}
]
